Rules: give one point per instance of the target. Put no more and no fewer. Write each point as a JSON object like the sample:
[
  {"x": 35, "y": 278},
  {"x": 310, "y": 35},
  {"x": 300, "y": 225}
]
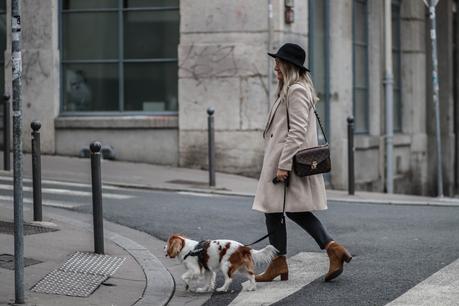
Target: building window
[
  {"x": 119, "y": 56},
  {"x": 396, "y": 65},
  {"x": 2, "y": 41},
  {"x": 360, "y": 65}
]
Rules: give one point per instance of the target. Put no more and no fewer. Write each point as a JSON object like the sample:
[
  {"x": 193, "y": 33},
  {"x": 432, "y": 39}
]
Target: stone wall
[
  {"x": 223, "y": 64},
  {"x": 40, "y": 70}
]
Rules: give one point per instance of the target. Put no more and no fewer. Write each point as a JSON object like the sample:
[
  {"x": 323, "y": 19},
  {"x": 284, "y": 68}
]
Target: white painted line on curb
[
  {"x": 70, "y": 192},
  {"x": 60, "y": 183},
  {"x": 304, "y": 268},
  {"x": 197, "y": 194},
  {"x": 58, "y": 204},
  {"x": 442, "y": 288}
]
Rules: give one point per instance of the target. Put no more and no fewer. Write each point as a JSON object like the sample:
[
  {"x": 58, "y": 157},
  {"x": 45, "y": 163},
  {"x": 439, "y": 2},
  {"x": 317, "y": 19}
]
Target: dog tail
[{"x": 264, "y": 255}]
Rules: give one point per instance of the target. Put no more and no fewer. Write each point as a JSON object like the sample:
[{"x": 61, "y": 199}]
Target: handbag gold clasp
[{"x": 314, "y": 164}]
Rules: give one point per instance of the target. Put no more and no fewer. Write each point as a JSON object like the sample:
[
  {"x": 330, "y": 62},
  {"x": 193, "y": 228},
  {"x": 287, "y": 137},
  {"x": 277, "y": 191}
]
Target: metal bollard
[
  {"x": 6, "y": 133},
  {"x": 36, "y": 171},
  {"x": 350, "y": 154},
  {"x": 211, "y": 132},
  {"x": 98, "y": 220}
]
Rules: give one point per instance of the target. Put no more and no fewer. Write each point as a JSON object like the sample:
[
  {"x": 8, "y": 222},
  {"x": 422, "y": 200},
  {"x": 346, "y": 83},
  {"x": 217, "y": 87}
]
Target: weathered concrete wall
[
  {"x": 413, "y": 44},
  {"x": 340, "y": 87},
  {"x": 445, "y": 75},
  {"x": 142, "y": 139},
  {"x": 40, "y": 70},
  {"x": 223, "y": 64}
]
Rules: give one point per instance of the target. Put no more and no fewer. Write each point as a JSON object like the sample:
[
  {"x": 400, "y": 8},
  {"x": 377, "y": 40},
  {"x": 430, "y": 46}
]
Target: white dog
[{"x": 205, "y": 258}]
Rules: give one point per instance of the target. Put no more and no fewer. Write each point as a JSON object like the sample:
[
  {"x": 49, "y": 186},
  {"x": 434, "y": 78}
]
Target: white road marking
[
  {"x": 442, "y": 288},
  {"x": 60, "y": 204},
  {"x": 70, "y": 192},
  {"x": 304, "y": 268},
  {"x": 198, "y": 194},
  {"x": 61, "y": 183}
]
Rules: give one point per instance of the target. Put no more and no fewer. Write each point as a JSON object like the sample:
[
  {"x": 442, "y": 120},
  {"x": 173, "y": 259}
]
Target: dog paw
[
  {"x": 221, "y": 289},
  {"x": 248, "y": 286},
  {"x": 202, "y": 290}
]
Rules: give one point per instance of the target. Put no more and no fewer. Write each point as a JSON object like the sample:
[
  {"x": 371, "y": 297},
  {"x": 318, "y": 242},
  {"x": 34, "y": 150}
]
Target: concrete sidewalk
[
  {"x": 138, "y": 175},
  {"x": 140, "y": 280}
]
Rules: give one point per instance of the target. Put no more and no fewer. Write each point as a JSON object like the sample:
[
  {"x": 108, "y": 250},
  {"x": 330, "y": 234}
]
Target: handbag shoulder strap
[{"x": 317, "y": 116}]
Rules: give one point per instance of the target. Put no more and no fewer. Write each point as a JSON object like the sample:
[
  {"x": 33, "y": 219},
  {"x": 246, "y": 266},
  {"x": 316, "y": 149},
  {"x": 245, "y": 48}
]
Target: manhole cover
[
  {"x": 80, "y": 275},
  {"x": 7, "y": 261},
  {"x": 8, "y": 228}
]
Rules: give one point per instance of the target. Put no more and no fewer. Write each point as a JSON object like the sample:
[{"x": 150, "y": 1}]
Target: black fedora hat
[{"x": 291, "y": 53}]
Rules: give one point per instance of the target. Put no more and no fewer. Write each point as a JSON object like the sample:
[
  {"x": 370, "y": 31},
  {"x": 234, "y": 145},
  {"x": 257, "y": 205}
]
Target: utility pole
[
  {"x": 431, "y": 4},
  {"x": 389, "y": 83},
  {"x": 16, "y": 59}
]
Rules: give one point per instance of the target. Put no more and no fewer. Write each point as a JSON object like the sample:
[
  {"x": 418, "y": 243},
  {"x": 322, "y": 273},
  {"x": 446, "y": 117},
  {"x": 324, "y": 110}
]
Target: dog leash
[{"x": 275, "y": 181}]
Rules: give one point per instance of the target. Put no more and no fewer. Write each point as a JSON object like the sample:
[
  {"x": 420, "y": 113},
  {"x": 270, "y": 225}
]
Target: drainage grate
[
  {"x": 92, "y": 264},
  {"x": 7, "y": 261},
  {"x": 68, "y": 283},
  {"x": 80, "y": 275},
  {"x": 8, "y": 228}
]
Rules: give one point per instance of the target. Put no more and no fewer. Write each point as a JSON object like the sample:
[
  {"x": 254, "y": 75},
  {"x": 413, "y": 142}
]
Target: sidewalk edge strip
[{"x": 154, "y": 270}]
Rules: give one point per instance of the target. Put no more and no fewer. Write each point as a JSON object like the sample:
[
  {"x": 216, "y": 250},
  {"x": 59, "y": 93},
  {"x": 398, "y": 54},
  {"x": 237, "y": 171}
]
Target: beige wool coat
[{"x": 304, "y": 193}]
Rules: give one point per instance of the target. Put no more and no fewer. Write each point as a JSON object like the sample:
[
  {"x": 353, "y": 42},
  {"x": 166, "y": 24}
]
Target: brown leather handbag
[{"x": 313, "y": 160}]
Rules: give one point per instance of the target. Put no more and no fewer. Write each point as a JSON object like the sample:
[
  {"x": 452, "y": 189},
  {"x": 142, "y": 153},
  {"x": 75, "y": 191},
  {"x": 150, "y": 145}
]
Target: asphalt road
[{"x": 394, "y": 247}]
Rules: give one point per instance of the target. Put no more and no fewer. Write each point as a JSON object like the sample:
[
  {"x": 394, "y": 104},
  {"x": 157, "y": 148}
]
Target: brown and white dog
[{"x": 203, "y": 259}]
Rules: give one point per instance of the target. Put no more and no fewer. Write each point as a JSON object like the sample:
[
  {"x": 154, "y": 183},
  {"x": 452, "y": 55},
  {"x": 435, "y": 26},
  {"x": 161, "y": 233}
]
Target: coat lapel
[{"x": 271, "y": 114}]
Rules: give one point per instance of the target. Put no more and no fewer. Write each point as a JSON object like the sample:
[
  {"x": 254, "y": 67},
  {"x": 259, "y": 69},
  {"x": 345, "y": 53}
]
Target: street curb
[
  {"x": 160, "y": 285},
  {"x": 440, "y": 203},
  {"x": 445, "y": 202},
  {"x": 215, "y": 191},
  {"x": 395, "y": 203}
]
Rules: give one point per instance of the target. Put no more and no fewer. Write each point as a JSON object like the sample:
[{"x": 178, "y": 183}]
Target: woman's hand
[{"x": 281, "y": 175}]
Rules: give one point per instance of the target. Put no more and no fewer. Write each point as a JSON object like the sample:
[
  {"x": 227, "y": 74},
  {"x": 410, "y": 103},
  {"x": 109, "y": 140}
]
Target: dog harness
[{"x": 200, "y": 252}]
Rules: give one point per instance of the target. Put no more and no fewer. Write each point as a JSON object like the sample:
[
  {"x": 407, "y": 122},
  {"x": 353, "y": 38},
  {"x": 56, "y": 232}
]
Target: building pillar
[
  {"x": 444, "y": 12},
  {"x": 40, "y": 70},
  {"x": 340, "y": 87},
  {"x": 414, "y": 109}
]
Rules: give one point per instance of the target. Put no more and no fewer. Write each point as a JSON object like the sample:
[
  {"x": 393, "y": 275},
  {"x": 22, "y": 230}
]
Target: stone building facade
[{"x": 138, "y": 76}]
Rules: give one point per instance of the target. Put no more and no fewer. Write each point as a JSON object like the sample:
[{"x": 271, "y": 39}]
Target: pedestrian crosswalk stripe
[
  {"x": 442, "y": 288},
  {"x": 60, "y": 183},
  {"x": 70, "y": 192},
  {"x": 304, "y": 268},
  {"x": 59, "y": 204}
]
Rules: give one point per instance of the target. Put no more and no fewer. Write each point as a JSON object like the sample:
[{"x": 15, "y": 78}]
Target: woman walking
[{"x": 283, "y": 139}]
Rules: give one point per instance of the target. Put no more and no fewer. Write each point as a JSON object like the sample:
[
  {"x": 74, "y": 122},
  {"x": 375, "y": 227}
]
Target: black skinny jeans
[{"x": 306, "y": 220}]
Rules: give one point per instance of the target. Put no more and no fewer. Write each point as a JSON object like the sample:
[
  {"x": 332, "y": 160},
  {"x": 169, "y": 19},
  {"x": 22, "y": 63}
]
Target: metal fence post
[
  {"x": 211, "y": 132},
  {"x": 98, "y": 221},
  {"x": 6, "y": 133},
  {"x": 350, "y": 154},
  {"x": 36, "y": 171}
]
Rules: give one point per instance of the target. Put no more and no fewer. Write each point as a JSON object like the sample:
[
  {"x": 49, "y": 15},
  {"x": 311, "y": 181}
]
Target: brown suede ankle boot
[
  {"x": 278, "y": 266},
  {"x": 338, "y": 255}
]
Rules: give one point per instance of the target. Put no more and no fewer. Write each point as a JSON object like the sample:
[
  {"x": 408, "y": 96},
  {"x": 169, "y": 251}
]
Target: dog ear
[{"x": 175, "y": 245}]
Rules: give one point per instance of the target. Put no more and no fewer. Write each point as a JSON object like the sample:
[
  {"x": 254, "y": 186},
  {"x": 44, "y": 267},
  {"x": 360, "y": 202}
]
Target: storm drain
[
  {"x": 7, "y": 261},
  {"x": 8, "y": 228},
  {"x": 80, "y": 275}
]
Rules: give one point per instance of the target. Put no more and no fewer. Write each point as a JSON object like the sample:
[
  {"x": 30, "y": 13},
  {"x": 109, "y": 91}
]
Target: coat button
[{"x": 272, "y": 135}]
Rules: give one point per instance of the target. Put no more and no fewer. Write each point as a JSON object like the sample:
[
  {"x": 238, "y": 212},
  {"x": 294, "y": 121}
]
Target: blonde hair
[{"x": 292, "y": 74}]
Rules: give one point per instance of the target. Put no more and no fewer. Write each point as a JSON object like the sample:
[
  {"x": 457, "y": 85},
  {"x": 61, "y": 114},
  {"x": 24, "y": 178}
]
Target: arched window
[{"x": 119, "y": 56}]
